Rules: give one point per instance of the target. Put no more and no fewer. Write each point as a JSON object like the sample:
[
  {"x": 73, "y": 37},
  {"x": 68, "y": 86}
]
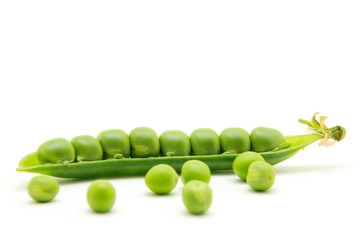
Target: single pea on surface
[
  {"x": 195, "y": 170},
  {"x": 265, "y": 139},
  {"x": 101, "y": 196},
  {"x": 197, "y": 196},
  {"x": 242, "y": 162},
  {"x": 43, "y": 188},
  {"x": 161, "y": 179},
  {"x": 261, "y": 176}
]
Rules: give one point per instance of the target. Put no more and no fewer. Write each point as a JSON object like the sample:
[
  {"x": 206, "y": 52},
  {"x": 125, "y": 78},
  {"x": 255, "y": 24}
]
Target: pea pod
[{"x": 216, "y": 162}]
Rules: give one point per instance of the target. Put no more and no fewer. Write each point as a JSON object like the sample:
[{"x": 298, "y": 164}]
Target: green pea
[
  {"x": 43, "y": 188},
  {"x": 115, "y": 143},
  {"x": 195, "y": 170},
  {"x": 87, "y": 148},
  {"x": 265, "y": 139},
  {"x": 261, "y": 176},
  {"x": 242, "y": 162},
  {"x": 101, "y": 196},
  {"x": 197, "y": 196},
  {"x": 175, "y": 143},
  {"x": 57, "y": 150},
  {"x": 144, "y": 142},
  {"x": 161, "y": 179},
  {"x": 204, "y": 141},
  {"x": 234, "y": 140}
]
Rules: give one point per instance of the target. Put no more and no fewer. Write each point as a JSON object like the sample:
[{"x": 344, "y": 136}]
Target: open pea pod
[{"x": 139, "y": 166}]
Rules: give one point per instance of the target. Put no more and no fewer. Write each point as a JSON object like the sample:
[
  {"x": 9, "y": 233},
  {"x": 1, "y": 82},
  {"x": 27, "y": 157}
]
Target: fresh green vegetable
[
  {"x": 216, "y": 162},
  {"x": 197, "y": 196},
  {"x": 265, "y": 139},
  {"x": 261, "y": 176},
  {"x": 115, "y": 144},
  {"x": 144, "y": 143},
  {"x": 195, "y": 170},
  {"x": 87, "y": 148},
  {"x": 161, "y": 179},
  {"x": 242, "y": 162},
  {"x": 204, "y": 141},
  {"x": 101, "y": 196},
  {"x": 57, "y": 150},
  {"x": 234, "y": 140},
  {"x": 43, "y": 188},
  {"x": 175, "y": 143}
]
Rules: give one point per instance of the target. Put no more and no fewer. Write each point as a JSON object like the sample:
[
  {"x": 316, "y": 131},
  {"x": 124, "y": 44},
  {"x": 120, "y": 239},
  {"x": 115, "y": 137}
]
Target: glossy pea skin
[
  {"x": 195, "y": 170},
  {"x": 87, "y": 148},
  {"x": 243, "y": 161},
  {"x": 265, "y": 139},
  {"x": 204, "y": 141},
  {"x": 101, "y": 196},
  {"x": 115, "y": 143},
  {"x": 197, "y": 196},
  {"x": 175, "y": 143},
  {"x": 43, "y": 188},
  {"x": 144, "y": 143},
  {"x": 57, "y": 150},
  {"x": 234, "y": 140},
  {"x": 161, "y": 179},
  {"x": 261, "y": 176}
]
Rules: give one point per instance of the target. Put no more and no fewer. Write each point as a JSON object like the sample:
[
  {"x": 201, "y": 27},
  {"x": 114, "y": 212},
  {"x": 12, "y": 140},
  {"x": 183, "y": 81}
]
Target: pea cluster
[
  {"x": 161, "y": 158},
  {"x": 143, "y": 142},
  {"x": 162, "y": 179}
]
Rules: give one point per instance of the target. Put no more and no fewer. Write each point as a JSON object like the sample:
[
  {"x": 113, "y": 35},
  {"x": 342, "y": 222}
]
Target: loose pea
[
  {"x": 175, "y": 143},
  {"x": 204, "y": 141},
  {"x": 242, "y": 162},
  {"x": 161, "y": 179},
  {"x": 144, "y": 142},
  {"x": 261, "y": 176},
  {"x": 197, "y": 196},
  {"x": 101, "y": 196},
  {"x": 115, "y": 143},
  {"x": 57, "y": 150},
  {"x": 87, "y": 148},
  {"x": 195, "y": 170},
  {"x": 234, "y": 140},
  {"x": 43, "y": 188},
  {"x": 265, "y": 139}
]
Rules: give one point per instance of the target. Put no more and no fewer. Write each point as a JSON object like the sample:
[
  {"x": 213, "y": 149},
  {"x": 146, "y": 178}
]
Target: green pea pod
[
  {"x": 87, "y": 148},
  {"x": 216, "y": 162},
  {"x": 175, "y": 143},
  {"x": 115, "y": 143}
]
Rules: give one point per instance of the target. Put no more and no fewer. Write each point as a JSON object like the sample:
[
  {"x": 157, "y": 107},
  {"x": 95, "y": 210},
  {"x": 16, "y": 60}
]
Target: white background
[{"x": 75, "y": 67}]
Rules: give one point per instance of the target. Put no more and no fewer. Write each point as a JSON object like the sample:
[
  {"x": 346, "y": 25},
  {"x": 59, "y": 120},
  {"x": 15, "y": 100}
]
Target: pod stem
[{"x": 330, "y": 135}]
